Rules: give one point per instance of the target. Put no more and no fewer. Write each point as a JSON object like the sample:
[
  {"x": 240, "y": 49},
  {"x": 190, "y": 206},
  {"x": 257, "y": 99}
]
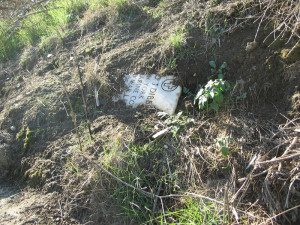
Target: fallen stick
[
  {"x": 287, "y": 151},
  {"x": 277, "y": 159},
  {"x": 265, "y": 222},
  {"x": 253, "y": 176}
]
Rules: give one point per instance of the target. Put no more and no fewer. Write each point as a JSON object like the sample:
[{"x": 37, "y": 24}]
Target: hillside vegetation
[{"x": 230, "y": 153}]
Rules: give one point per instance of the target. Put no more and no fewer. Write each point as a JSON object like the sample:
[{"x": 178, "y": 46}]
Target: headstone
[{"x": 154, "y": 90}]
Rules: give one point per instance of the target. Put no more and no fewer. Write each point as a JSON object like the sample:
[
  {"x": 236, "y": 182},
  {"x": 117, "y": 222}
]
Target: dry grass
[
  {"x": 285, "y": 18},
  {"x": 267, "y": 185}
]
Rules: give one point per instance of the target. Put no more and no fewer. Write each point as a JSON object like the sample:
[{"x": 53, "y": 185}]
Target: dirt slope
[{"x": 37, "y": 134}]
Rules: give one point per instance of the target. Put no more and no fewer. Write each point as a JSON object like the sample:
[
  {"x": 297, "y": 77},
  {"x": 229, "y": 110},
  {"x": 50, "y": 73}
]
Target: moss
[
  {"x": 279, "y": 43},
  {"x": 291, "y": 55},
  {"x": 274, "y": 63},
  {"x": 20, "y": 134},
  {"x": 35, "y": 178},
  {"x": 27, "y": 140}
]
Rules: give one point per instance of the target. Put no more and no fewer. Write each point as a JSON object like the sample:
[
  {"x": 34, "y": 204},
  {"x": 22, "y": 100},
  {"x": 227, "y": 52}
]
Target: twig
[
  {"x": 262, "y": 19},
  {"x": 286, "y": 205},
  {"x": 286, "y": 211},
  {"x": 84, "y": 101},
  {"x": 64, "y": 107},
  {"x": 155, "y": 200},
  {"x": 290, "y": 121},
  {"x": 95, "y": 75},
  {"x": 277, "y": 159},
  {"x": 73, "y": 116},
  {"x": 253, "y": 176},
  {"x": 226, "y": 204},
  {"x": 243, "y": 185},
  {"x": 61, "y": 212},
  {"x": 141, "y": 2},
  {"x": 287, "y": 151},
  {"x": 163, "y": 209}
]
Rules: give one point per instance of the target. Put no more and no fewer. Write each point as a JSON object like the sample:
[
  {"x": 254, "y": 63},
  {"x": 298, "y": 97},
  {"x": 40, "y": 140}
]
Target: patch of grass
[
  {"x": 47, "y": 44},
  {"x": 40, "y": 23},
  {"x": 141, "y": 167},
  {"x": 193, "y": 212},
  {"x": 160, "y": 10},
  {"x": 134, "y": 170},
  {"x": 9, "y": 44},
  {"x": 176, "y": 38}
]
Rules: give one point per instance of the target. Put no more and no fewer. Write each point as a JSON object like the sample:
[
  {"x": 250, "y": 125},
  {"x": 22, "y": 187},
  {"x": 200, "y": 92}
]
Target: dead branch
[
  {"x": 277, "y": 160},
  {"x": 286, "y": 211}
]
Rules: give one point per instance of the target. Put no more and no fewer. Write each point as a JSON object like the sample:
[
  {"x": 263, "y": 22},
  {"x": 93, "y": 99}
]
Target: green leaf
[
  {"x": 221, "y": 76},
  {"x": 219, "y": 98},
  {"x": 212, "y": 64},
  {"x": 223, "y": 66},
  {"x": 225, "y": 151},
  {"x": 214, "y": 106},
  {"x": 199, "y": 93},
  {"x": 227, "y": 85}
]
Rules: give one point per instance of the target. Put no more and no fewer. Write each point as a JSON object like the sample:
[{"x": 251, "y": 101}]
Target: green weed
[
  {"x": 211, "y": 95},
  {"x": 176, "y": 122},
  {"x": 223, "y": 144},
  {"x": 175, "y": 39}
]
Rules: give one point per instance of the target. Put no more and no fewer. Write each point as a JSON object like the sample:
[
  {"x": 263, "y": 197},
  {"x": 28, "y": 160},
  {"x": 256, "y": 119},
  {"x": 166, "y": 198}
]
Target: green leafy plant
[
  {"x": 187, "y": 91},
  {"x": 176, "y": 122},
  {"x": 210, "y": 96},
  {"x": 223, "y": 144},
  {"x": 242, "y": 96},
  {"x": 214, "y": 71}
]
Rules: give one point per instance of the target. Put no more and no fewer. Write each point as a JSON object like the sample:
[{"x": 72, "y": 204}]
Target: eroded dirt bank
[{"x": 39, "y": 145}]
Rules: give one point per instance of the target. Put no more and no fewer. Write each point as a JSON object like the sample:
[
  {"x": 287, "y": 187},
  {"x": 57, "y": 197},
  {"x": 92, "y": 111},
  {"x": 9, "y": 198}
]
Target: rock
[{"x": 251, "y": 46}]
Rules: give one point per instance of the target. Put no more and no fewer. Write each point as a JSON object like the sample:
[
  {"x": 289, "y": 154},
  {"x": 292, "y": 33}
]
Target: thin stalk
[
  {"x": 84, "y": 102},
  {"x": 72, "y": 114}
]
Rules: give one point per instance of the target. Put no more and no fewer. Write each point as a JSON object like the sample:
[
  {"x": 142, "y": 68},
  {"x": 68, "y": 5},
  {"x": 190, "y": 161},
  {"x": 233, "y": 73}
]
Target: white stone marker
[{"x": 160, "y": 92}]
